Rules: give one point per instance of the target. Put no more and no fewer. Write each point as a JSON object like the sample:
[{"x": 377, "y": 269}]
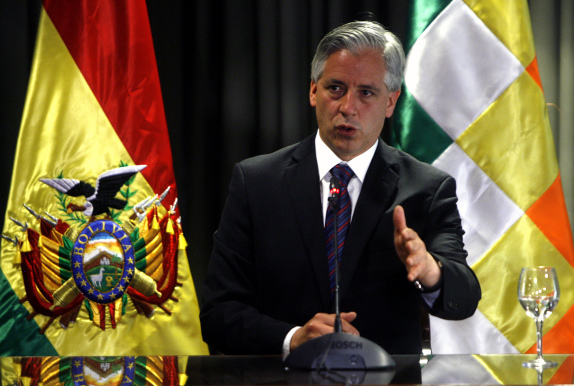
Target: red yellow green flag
[
  {"x": 95, "y": 262},
  {"x": 473, "y": 105}
]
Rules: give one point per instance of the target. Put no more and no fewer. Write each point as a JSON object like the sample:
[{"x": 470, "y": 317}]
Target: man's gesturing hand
[
  {"x": 413, "y": 253},
  {"x": 322, "y": 324}
]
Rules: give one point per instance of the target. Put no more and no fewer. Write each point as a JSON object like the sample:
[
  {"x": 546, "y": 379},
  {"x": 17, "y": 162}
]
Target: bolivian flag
[
  {"x": 473, "y": 105},
  {"x": 95, "y": 262}
]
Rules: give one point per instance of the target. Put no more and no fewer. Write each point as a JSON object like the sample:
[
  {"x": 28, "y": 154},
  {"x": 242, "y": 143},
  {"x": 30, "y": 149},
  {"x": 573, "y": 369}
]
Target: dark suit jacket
[{"x": 268, "y": 270}]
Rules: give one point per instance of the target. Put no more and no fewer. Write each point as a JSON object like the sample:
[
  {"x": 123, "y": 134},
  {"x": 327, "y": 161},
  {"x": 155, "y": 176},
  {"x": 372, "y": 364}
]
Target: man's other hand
[
  {"x": 413, "y": 253},
  {"x": 322, "y": 324}
]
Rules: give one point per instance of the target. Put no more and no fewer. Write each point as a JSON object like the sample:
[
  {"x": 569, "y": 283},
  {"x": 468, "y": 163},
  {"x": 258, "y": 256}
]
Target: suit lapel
[
  {"x": 377, "y": 193},
  {"x": 303, "y": 184}
]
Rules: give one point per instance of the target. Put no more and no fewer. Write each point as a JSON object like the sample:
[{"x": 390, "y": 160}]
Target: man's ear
[
  {"x": 313, "y": 94},
  {"x": 392, "y": 102}
]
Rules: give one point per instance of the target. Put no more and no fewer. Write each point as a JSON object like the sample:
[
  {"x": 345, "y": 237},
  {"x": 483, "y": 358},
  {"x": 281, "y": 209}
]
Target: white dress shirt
[{"x": 326, "y": 160}]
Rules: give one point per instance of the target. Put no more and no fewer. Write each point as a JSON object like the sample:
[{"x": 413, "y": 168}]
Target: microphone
[
  {"x": 334, "y": 194},
  {"x": 338, "y": 350}
]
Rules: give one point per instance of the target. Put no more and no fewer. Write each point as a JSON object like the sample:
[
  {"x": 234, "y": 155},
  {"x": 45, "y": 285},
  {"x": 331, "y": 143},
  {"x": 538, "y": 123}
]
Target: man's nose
[{"x": 349, "y": 104}]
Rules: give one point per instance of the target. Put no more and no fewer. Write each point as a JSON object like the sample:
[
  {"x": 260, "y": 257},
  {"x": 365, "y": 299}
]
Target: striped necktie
[{"x": 344, "y": 173}]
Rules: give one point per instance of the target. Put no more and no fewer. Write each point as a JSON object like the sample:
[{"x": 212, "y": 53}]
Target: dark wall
[{"x": 235, "y": 81}]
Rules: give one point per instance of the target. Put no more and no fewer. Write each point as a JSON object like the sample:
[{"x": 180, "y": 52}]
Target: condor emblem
[{"x": 103, "y": 261}]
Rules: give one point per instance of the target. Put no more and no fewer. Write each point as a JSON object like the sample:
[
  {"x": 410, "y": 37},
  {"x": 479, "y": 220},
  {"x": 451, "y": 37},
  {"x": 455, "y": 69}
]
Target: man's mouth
[{"x": 345, "y": 129}]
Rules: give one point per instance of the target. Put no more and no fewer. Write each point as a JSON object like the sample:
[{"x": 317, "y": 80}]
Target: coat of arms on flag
[{"x": 98, "y": 262}]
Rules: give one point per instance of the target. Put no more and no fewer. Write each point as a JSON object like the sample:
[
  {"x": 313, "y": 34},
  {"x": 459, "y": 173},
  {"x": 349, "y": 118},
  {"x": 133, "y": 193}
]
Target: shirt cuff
[
  {"x": 287, "y": 342},
  {"x": 430, "y": 297}
]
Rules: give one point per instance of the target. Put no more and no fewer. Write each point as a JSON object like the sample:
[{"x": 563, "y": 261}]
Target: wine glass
[{"x": 538, "y": 293}]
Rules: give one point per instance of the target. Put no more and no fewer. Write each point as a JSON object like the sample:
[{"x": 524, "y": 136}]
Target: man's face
[{"x": 352, "y": 102}]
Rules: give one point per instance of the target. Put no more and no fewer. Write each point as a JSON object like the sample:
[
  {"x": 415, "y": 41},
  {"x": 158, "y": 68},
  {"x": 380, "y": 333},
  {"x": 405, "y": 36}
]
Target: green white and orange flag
[
  {"x": 473, "y": 105},
  {"x": 95, "y": 263}
]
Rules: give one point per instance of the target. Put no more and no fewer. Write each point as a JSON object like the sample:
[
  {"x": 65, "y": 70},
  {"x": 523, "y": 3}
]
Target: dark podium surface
[
  {"x": 427, "y": 370},
  {"x": 253, "y": 370}
]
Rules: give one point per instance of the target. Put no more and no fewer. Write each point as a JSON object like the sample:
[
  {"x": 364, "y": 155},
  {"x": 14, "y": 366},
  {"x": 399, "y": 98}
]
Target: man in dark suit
[{"x": 268, "y": 286}]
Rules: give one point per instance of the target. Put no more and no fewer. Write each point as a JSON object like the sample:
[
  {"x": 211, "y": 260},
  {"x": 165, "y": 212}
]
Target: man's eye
[{"x": 367, "y": 93}]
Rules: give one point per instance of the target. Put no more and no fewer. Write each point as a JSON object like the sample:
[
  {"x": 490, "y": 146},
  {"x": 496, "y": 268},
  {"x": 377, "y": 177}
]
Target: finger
[
  {"x": 349, "y": 328},
  {"x": 320, "y": 324},
  {"x": 412, "y": 243},
  {"x": 399, "y": 219},
  {"x": 348, "y": 316},
  {"x": 321, "y": 321},
  {"x": 423, "y": 266},
  {"x": 346, "y": 319},
  {"x": 413, "y": 272},
  {"x": 411, "y": 261},
  {"x": 416, "y": 254},
  {"x": 323, "y": 324}
]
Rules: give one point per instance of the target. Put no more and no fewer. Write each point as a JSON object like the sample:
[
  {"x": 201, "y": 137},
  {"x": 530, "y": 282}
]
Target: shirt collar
[{"x": 326, "y": 159}]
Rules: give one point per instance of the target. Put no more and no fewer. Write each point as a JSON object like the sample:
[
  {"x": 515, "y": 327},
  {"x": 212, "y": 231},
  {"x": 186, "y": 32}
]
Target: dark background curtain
[{"x": 235, "y": 82}]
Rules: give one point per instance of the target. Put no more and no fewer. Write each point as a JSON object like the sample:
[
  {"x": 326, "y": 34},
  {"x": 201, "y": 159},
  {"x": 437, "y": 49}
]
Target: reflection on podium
[
  {"x": 504, "y": 369},
  {"x": 96, "y": 371},
  {"x": 490, "y": 369}
]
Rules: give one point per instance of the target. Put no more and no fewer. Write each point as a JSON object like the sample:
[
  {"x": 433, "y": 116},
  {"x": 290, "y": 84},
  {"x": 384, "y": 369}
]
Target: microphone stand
[{"x": 334, "y": 205}]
